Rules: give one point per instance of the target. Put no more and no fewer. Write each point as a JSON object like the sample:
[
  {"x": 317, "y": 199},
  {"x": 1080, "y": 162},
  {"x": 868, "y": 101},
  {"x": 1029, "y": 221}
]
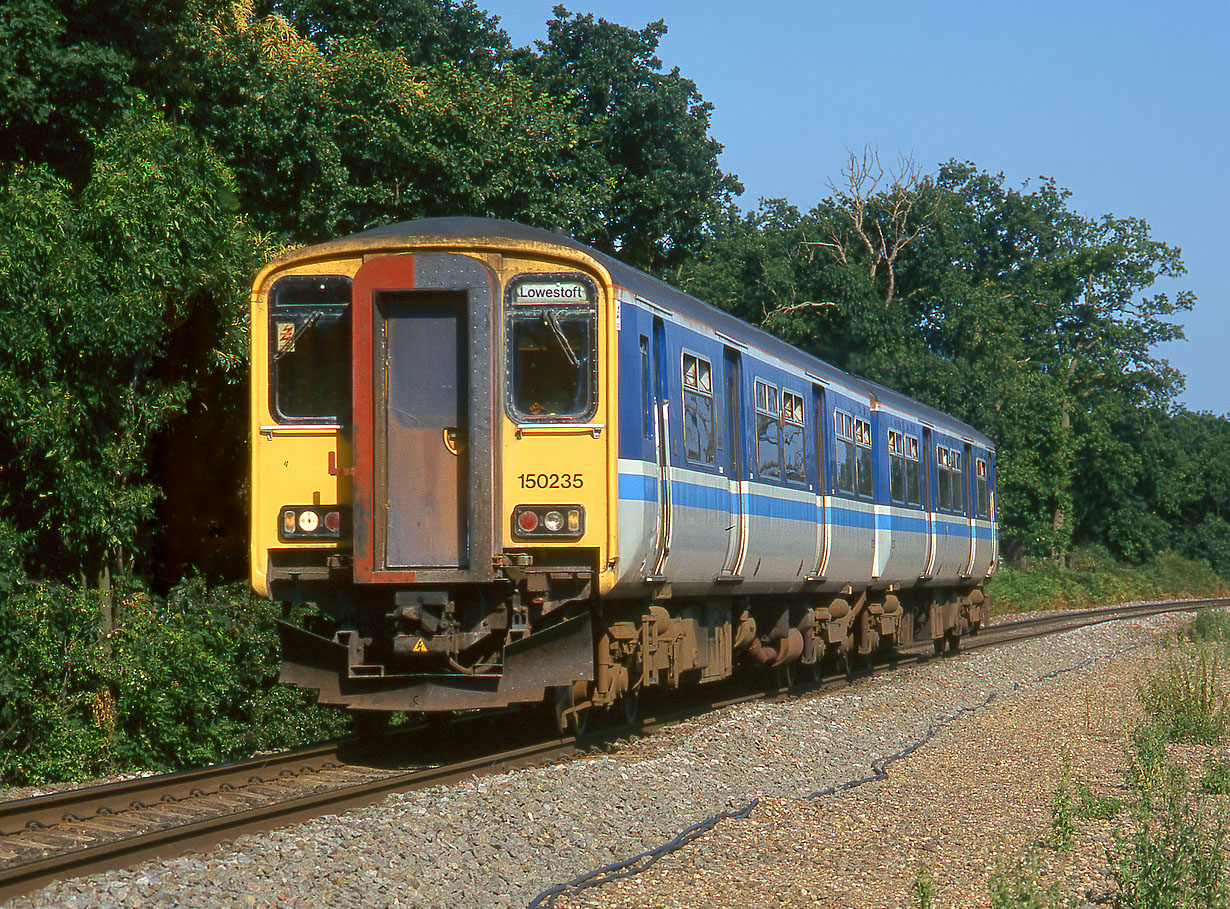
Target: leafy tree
[
  {"x": 92, "y": 284},
  {"x": 648, "y": 131},
  {"x": 331, "y": 141},
  {"x": 425, "y": 32}
]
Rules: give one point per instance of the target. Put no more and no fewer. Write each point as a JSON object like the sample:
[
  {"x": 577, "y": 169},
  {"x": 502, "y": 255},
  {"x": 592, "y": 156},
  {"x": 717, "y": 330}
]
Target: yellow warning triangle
[{"x": 420, "y": 646}]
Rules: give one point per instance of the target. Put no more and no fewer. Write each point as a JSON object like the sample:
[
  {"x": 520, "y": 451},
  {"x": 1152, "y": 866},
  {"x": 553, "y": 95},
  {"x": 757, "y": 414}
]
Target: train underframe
[{"x": 543, "y": 636}]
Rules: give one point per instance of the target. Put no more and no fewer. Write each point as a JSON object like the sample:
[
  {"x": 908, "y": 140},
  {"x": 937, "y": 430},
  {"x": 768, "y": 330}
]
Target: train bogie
[{"x": 510, "y": 469}]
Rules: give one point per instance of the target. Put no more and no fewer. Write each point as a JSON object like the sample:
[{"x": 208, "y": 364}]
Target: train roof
[{"x": 663, "y": 294}]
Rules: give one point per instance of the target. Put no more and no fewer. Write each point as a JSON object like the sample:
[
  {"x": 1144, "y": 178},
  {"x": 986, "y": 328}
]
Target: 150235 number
[{"x": 551, "y": 480}]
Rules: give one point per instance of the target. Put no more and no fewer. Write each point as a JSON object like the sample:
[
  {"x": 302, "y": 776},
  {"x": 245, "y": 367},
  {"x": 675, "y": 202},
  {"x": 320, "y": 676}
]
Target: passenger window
[
  {"x": 698, "y": 410},
  {"x": 896, "y": 467},
  {"x": 945, "y": 478},
  {"x": 794, "y": 454},
  {"x": 862, "y": 447},
  {"x": 309, "y": 323},
  {"x": 646, "y": 400},
  {"x": 768, "y": 432},
  {"x": 913, "y": 489},
  {"x": 958, "y": 483},
  {"x": 843, "y": 426},
  {"x": 984, "y": 499}
]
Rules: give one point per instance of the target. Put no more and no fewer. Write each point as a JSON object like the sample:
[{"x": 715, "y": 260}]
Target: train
[{"x": 508, "y": 469}]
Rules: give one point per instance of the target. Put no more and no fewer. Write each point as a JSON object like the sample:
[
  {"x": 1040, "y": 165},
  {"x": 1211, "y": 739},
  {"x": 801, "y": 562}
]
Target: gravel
[{"x": 502, "y": 840}]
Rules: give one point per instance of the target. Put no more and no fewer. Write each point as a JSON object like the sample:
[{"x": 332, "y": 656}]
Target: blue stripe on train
[{"x": 641, "y": 488}]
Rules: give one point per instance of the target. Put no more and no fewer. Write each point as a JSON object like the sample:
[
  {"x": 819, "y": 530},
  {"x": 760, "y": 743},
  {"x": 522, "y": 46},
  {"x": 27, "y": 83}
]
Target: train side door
[
  {"x": 661, "y": 434},
  {"x": 736, "y": 464},
  {"x": 823, "y": 538},
  {"x": 928, "y": 466},
  {"x": 968, "y": 483},
  {"x": 422, "y": 479}
]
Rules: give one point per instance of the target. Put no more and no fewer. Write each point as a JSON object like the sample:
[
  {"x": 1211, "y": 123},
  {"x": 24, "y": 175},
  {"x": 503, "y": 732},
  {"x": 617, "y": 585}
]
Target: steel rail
[{"x": 78, "y": 805}]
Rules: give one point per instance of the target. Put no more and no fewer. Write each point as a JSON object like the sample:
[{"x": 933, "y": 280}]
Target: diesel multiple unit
[{"x": 510, "y": 469}]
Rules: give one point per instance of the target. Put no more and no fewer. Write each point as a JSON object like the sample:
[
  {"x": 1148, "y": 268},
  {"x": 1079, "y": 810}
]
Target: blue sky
[{"x": 1126, "y": 104}]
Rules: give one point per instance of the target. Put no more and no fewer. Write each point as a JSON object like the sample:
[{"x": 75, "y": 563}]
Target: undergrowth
[
  {"x": 1094, "y": 578},
  {"x": 184, "y": 680}
]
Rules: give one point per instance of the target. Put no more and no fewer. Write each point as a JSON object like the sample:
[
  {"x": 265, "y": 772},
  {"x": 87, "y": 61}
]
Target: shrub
[
  {"x": 1186, "y": 697},
  {"x": 182, "y": 681},
  {"x": 1017, "y": 887}
]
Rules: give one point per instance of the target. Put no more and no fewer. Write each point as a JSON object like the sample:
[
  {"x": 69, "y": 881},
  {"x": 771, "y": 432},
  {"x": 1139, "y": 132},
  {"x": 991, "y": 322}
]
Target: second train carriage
[{"x": 508, "y": 467}]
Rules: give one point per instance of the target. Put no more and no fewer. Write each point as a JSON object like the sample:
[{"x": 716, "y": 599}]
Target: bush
[
  {"x": 1172, "y": 854},
  {"x": 182, "y": 681},
  {"x": 1185, "y": 695},
  {"x": 1095, "y": 579}
]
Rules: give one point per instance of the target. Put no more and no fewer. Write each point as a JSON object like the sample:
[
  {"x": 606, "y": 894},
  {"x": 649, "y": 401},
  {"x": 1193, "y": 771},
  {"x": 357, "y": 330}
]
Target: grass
[{"x": 1096, "y": 579}]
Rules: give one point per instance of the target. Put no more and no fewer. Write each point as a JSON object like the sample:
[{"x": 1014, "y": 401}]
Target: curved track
[{"x": 94, "y": 829}]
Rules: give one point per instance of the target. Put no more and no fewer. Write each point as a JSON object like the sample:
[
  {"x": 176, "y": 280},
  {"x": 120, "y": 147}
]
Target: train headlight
[
  {"x": 311, "y": 522},
  {"x": 548, "y": 521}
]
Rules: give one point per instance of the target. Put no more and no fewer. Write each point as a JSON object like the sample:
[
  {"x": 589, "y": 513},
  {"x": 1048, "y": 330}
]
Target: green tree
[
  {"x": 646, "y": 133},
  {"x": 425, "y": 32},
  {"x": 92, "y": 286},
  {"x": 329, "y": 141}
]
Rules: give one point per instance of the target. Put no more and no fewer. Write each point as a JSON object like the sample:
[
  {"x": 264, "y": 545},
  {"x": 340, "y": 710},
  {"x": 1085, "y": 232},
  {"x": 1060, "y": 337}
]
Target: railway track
[{"x": 94, "y": 829}]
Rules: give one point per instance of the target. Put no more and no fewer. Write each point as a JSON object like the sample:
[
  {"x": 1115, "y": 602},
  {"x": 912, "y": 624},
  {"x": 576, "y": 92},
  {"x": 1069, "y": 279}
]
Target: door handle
[{"x": 454, "y": 439}]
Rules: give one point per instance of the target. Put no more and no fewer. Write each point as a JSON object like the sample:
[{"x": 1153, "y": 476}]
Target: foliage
[
  {"x": 93, "y": 285},
  {"x": 1096, "y": 579},
  {"x": 1063, "y": 806},
  {"x": 1091, "y": 806},
  {"x": 1016, "y": 886},
  {"x": 1172, "y": 853},
  {"x": 182, "y": 681},
  {"x": 1216, "y": 779},
  {"x": 1186, "y": 695},
  {"x": 923, "y": 888},
  {"x": 649, "y": 131}
]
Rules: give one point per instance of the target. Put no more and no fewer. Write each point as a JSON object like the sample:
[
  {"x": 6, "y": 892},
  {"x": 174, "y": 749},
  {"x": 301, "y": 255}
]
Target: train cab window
[
  {"x": 309, "y": 323},
  {"x": 983, "y": 501},
  {"x": 698, "y": 410},
  {"x": 862, "y": 457},
  {"x": 551, "y": 365},
  {"x": 552, "y": 338},
  {"x": 896, "y": 467},
  {"x": 843, "y": 430},
  {"x": 945, "y": 478},
  {"x": 794, "y": 454},
  {"x": 768, "y": 432},
  {"x": 913, "y": 487}
]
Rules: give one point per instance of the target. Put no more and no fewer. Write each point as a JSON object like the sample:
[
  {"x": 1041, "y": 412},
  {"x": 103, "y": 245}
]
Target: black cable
[{"x": 629, "y": 867}]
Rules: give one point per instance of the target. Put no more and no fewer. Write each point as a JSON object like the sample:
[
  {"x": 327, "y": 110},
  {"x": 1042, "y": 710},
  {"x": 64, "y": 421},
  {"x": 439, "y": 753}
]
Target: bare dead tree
[{"x": 879, "y": 231}]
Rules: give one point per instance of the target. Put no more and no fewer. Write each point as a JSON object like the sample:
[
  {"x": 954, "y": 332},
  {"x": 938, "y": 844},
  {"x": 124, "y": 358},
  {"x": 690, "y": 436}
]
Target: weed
[
  {"x": 1211, "y": 625},
  {"x": 1216, "y": 776},
  {"x": 1096, "y": 807},
  {"x": 1018, "y": 887},
  {"x": 1171, "y": 854},
  {"x": 1063, "y": 806},
  {"x": 1186, "y": 695},
  {"x": 923, "y": 888}
]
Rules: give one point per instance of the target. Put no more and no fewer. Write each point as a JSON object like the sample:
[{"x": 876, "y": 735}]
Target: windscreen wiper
[{"x": 563, "y": 341}]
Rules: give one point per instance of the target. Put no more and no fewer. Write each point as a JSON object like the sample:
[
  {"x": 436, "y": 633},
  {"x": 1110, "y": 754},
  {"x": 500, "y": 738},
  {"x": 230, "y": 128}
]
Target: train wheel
[
  {"x": 939, "y": 644},
  {"x": 630, "y": 700},
  {"x": 567, "y": 720},
  {"x": 785, "y": 676}
]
